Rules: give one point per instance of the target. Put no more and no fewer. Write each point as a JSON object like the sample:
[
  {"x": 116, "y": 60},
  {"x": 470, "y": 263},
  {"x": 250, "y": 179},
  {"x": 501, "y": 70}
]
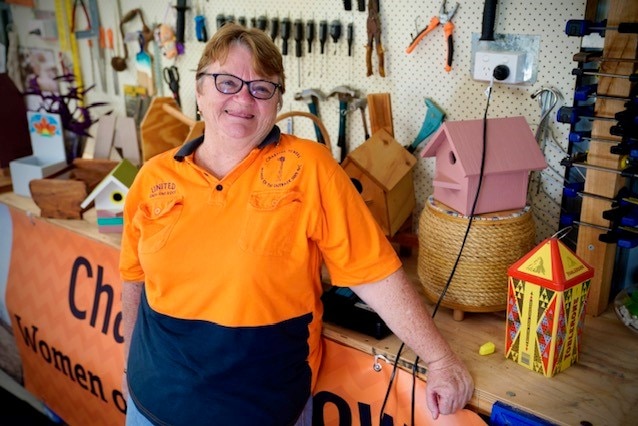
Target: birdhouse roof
[
  {"x": 552, "y": 264},
  {"x": 123, "y": 175},
  {"x": 511, "y": 145},
  {"x": 383, "y": 159}
]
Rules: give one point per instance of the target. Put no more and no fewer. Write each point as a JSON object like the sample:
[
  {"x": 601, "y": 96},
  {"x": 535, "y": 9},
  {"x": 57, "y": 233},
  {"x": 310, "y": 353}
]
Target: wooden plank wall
[{"x": 598, "y": 254}]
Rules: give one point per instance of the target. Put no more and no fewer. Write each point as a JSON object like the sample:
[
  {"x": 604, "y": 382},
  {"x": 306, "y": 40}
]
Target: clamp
[{"x": 443, "y": 18}]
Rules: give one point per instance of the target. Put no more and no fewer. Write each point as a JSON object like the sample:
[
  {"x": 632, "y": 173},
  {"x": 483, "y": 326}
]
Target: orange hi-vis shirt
[{"x": 232, "y": 276}]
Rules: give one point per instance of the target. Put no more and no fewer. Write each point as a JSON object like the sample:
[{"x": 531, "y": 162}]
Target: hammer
[
  {"x": 345, "y": 95},
  {"x": 311, "y": 97},
  {"x": 360, "y": 104}
]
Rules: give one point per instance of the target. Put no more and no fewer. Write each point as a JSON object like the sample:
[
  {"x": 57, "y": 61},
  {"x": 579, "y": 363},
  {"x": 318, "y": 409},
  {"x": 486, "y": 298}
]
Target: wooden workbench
[{"x": 602, "y": 388}]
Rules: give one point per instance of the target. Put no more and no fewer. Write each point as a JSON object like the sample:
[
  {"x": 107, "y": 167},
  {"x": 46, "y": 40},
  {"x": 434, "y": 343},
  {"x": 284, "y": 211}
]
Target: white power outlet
[{"x": 486, "y": 60}]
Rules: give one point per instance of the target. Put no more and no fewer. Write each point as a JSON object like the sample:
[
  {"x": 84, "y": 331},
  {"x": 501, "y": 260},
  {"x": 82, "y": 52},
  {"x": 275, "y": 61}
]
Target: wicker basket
[{"x": 496, "y": 241}]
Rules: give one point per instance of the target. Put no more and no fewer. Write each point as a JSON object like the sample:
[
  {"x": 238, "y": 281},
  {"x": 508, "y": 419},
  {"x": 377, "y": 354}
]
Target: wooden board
[
  {"x": 598, "y": 254},
  {"x": 380, "y": 111}
]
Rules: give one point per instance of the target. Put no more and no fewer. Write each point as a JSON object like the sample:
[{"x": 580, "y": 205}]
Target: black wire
[
  {"x": 387, "y": 392},
  {"x": 458, "y": 258}
]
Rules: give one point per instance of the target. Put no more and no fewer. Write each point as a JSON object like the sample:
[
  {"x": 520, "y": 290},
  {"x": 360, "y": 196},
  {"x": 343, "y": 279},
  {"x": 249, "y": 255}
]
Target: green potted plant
[{"x": 71, "y": 105}]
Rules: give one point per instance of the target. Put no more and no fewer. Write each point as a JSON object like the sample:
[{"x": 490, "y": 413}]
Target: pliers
[{"x": 444, "y": 18}]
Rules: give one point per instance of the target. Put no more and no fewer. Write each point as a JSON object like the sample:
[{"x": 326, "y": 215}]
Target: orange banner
[
  {"x": 350, "y": 392},
  {"x": 63, "y": 298},
  {"x": 63, "y": 301}
]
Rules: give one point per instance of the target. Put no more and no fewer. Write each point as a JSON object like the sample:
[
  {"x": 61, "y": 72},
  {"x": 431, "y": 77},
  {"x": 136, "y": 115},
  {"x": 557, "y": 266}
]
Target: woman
[{"x": 221, "y": 256}]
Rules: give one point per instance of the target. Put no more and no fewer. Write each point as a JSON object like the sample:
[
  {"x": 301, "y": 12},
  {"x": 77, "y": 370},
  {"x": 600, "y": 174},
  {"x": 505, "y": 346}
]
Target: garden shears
[{"x": 443, "y": 18}]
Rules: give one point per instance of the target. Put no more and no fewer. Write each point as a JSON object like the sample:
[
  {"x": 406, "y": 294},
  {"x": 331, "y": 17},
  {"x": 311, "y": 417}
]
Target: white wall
[{"x": 409, "y": 78}]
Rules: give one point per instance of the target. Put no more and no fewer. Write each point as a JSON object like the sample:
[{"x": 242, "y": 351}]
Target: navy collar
[{"x": 189, "y": 147}]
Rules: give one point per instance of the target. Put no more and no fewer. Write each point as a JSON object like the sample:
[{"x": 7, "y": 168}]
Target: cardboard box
[
  {"x": 546, "y": 302},
  {"x": 47, "y": 142}
]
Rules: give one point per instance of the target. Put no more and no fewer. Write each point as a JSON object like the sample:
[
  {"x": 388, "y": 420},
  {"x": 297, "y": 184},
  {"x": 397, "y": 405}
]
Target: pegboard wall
[{"x": 410, "y": 78}]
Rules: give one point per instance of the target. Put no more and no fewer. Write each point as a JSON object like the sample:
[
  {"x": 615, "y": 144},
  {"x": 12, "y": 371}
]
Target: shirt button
[
  {"x": 219, "y": 187},
  {"x": 157, "y": 210}
]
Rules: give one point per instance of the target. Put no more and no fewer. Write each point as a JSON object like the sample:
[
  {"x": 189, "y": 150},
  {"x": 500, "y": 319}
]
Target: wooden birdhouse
[
  {"x": 511, "y": 153},
  {"x": 109, "y": 196},
  {"x": 382, "y": 169}
]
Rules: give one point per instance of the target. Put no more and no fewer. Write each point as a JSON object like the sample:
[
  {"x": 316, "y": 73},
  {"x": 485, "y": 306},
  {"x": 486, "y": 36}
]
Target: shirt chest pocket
[
  {"x": 156, "y": 220},
  {"x": 271, "y": 223}
]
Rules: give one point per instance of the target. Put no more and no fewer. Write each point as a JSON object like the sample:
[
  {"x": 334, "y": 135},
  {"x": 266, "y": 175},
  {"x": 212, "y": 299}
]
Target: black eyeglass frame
[{"x": 247, "y": 83}]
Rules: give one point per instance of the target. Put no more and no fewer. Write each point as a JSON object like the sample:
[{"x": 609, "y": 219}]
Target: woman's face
[{"x": 238, "y": 116}]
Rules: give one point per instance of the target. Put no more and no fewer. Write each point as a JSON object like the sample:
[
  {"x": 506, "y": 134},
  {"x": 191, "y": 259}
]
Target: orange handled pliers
[{"x": 444, "y": 18}]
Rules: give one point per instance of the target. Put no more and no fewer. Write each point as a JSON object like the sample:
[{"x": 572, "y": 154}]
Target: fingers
[{"x": 433, "y": 404}]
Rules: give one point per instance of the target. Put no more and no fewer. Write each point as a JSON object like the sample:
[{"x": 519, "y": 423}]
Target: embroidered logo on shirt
[
  {"x": 163, "y": 188},
  {"x": 280, "y": 168}
]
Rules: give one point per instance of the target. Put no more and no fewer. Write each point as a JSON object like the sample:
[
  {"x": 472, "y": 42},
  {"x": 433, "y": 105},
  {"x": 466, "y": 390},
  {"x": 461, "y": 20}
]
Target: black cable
[
  {"x": 452, "y": 272},
  {"x": 387, "y": 392}
]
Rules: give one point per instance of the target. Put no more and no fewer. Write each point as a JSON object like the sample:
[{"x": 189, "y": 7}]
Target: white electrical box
[{"x": 485, "y": 61}]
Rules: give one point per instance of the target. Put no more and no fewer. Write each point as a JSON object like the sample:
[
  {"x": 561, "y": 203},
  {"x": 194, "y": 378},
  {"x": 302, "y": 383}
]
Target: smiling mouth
[{"x": 239, "y": 114}]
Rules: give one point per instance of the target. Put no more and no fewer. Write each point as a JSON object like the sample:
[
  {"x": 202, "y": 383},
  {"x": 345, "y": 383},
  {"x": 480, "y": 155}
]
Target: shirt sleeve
[
  {"x": 130, "y": 268},
  {"x": 354, "y": 248}
]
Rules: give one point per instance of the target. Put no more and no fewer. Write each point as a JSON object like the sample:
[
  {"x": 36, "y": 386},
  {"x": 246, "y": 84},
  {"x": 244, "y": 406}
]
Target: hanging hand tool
[
  {"x": 623, "y": 236},
  {"x": 347, "y": 5},
  {"x": 118, "y": 62},
  {"x": 579, "y": 160},
  {"x": 312, "y": 97},
  {"x": 361, "y": 5},
  {"x": 587, "y": 91},
  {"x": 572, "y": 115},
  {"x": 345, "y": 94},
  {"x": 171, "y": 77},
  {"x": 580, "y": 72},
  {"x": 179, "y": 25},
  {"x": 350, "y": 37},
  {"x": 298, "y": 36},
  {"x": 274, "y": 28},
  {"x": 310, "y": 33},
  {"x": 111, "y": 46},
  {"x": 597, "y": 57},
  {"x": 220, "y": 20},
  {"x": 102, "y": 58},
  {"x": 200, "y": 25},
  {"x": 242, "y": 21},
  {"x": 374, "y": 36},
  {"x": 433, "y": 119},
  {"x": 583, "y": 27},
  {"x": 335, "y": 33},
  {"x": 262, "y": 22},
  {"x": 90, "y": 32},
  {"x": 285, "y": 34},
  {"x": 323, "y": 34},
  {"x": 444, "y": 18},
  {"x": 361, "y": 104}
]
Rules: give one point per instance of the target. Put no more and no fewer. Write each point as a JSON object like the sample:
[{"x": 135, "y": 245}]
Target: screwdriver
[
  {"x": 578, "y": 71},
  {"x": 298, "y": 36},
  {"x": 583, "y": 27},
  {"x": 221, "y": 20},
  {"x": 323, "y": 34},
  {"x": 310, "y": 34},
  {"x": 262, "y": 22},
  {"x": 274, "y": 28},
  {"x": 350, "y": 37},
  {"x": 285, "y": 35},
  {"x": 335, "y": 32}
]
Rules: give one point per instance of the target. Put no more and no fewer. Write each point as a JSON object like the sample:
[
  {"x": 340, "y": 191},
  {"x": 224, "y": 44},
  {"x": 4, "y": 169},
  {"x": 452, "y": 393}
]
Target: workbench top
[{"x": 601, "y": 388}]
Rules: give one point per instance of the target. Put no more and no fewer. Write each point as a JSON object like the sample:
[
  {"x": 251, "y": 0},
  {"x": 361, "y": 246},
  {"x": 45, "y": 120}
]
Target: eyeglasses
[{"x": 229, "y": 84}]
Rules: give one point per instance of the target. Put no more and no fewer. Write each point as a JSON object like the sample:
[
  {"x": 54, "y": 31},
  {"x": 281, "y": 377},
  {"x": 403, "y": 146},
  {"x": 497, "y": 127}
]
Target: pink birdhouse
[{"x": 511, "y": 153}]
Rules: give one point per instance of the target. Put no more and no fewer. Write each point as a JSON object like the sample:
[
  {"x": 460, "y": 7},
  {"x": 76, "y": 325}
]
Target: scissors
[{"x": 171, "y": 77}]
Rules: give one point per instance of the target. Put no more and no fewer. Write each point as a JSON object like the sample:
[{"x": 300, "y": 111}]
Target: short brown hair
[{"x": 267, "y": 58}]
